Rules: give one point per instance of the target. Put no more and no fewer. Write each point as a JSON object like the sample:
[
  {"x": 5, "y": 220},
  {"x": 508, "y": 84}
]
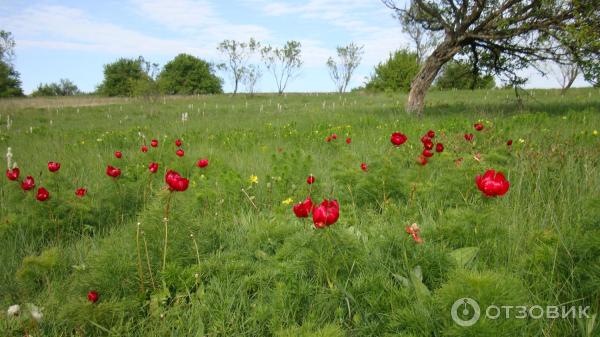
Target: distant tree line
[{"x": 454, "y": 45}]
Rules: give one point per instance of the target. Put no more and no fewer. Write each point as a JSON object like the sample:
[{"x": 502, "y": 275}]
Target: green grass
[{"x": 239, "y": 263}]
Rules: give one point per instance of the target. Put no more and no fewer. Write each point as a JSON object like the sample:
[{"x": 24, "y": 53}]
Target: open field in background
[{"x": 239, "y": 263}]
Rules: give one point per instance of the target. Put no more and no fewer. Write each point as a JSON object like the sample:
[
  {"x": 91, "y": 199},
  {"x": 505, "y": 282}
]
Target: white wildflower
[
  {"x": 13, "y": 310},
  {"x": 36, "y": 313}
]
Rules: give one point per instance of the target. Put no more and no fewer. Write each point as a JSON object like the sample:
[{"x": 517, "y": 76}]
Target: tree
[
  {"x": 349, "y": 58},
  {"x": 394, "y": 74},
  {"x": 582, "y": 40},
  {"x": 252, "y": 75},
  {"x": 423, "y": 39},
  {"x": 238, "y": 54},
  {"x": 566, "y": 75},
  {"x": 10, "y": 84},
  {"x": 284, "y": 63},
  {"x": 502, "y": 35},
  {"x": 63, "y": 88},
  {"x": 459, "y": 75},
  {"x": 123, "y": 76},
  {"x": 188, "y": 75}
]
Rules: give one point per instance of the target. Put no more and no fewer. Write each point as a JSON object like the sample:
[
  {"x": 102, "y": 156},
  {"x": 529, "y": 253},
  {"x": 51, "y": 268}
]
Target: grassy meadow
[{"x": 238, "y": 261}]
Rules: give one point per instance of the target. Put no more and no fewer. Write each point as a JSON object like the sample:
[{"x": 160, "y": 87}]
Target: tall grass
[{"x": 240, "y": 264}]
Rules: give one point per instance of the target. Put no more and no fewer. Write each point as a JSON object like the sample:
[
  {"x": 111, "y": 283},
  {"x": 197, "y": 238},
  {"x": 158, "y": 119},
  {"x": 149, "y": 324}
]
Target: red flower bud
[
  {"x": 80, "y": 192},
  {"x": 42, "y": 194},
  {"x": 398, "y": 138},
  {"x": 113, "y": 171},
  {"x": 13, "y": 174},
  {"x": 28, "y": 183},
  {"x": 303, "y": 209},
  {"x": 202, "y": 163},
  {"x": 93, "y": 296},
  {"x": 53, "y": 166}
]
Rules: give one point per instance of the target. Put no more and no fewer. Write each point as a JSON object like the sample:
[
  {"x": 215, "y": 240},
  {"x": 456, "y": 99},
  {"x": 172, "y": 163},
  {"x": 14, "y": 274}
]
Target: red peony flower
[
  {"x": 13, "y": 174},
  {"x": 113, "y": 171},
  {"x": 42, "y": 194},
  {"x": 153, "y": 167},
  {"x": 425, "y": 139},
  {"x": 430, "y": 133},
  {"x": 363, "y": 166},
  {"x": 428, "y": 145},
  {"x": 178, "y": 142},
  {"x": 427, "y": 153},
  {"x": 422, "y": 160},
  {"x": 28, "y": 183},
  {"x": 469, "y": 137},
  {"x": 144, "y": 148},
  {"x": 415, "y": 232},
  {"x": 53, "y": 166},
  {"x": 180, "y": 153},
  {"x": 326, "y": 214},
  {"x": 118, "y": 154},
  {"x": 202, "y": 163},
  {"x": 303, "y": 209},
  {"x": 492, "y": 184},
  {"x": 328, "y": 139},
  {"x": 80, "y": 192},
  {"x": 154, "y": 143},
  {"x": 93, "y": 296},
  {"x": 439, "y": 147},
  {"x": 176, "y": 182},
  {"x": 310, "y": 180},
  {"x": 509, "y": 142},
  {"x": 348, "y": 140},
  {"x": 478, "y": 126},
  {"x": 334, "y": 136},
  {"x": 398, "y": 138}
]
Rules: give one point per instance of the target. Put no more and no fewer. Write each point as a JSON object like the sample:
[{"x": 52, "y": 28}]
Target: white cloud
[
  {"x": 59, "y": 27},
  {"x": 197, "y": 18}
]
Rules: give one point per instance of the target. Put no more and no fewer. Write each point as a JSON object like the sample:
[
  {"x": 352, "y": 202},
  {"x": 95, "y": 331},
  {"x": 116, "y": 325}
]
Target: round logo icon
[{"x": 462, "y": 309}]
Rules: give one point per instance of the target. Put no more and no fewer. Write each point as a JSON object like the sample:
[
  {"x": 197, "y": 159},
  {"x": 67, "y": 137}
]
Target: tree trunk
[
  {"x": 235, "y": 88},
  {"x": 429, "y": 70}
]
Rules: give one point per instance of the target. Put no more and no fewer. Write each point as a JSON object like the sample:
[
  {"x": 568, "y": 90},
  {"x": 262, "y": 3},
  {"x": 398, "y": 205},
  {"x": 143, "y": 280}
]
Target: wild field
[{"x": 227, "y": 256}]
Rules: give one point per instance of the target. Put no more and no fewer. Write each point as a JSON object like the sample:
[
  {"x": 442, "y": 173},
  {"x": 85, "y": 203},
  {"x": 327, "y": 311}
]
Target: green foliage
[
  {"x": 283, "y": 62},
  {"x": 486, "y": 288},
  {"x": 10, "y": 84},
  {"x": 188, "y": 75},
  {"x": 459, "y": 75},
  {"x": 63, "y": 88},
  {"x": 395, "y": 74},
  {"x": 122, "y": 77}
]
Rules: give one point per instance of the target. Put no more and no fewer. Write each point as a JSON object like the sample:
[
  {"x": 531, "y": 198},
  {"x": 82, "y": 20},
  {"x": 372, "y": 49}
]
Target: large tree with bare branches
[{"x": 501, "y": 35}]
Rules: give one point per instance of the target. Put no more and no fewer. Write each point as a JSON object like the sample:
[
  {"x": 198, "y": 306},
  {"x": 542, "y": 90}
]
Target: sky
[{"x": 74, "y": 39}]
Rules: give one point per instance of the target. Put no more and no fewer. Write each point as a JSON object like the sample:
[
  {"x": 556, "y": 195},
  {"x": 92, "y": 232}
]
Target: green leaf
[{"x": 464, "y": 256}]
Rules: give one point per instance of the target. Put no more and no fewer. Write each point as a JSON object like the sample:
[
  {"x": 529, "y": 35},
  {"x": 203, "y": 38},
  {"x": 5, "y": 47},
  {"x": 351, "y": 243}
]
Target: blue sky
[{"x": 74, "y": 39}]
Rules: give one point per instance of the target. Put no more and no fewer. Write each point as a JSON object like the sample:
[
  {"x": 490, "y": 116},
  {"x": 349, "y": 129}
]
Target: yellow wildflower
[
  {"x": 253, "y": 179},
  {"x": 287, "y": 201}
]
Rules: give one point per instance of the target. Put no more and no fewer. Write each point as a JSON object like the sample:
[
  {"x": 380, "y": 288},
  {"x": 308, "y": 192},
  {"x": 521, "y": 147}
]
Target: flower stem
[{"x": 166, "y": 221}]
